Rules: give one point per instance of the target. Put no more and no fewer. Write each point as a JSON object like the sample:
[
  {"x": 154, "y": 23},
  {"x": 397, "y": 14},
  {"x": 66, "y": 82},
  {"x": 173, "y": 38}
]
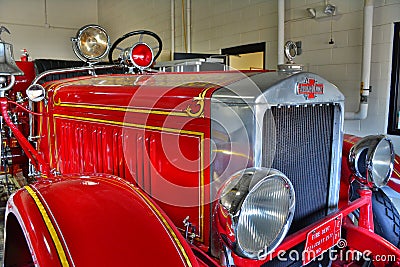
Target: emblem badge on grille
[{"x": 309, "y": 88}]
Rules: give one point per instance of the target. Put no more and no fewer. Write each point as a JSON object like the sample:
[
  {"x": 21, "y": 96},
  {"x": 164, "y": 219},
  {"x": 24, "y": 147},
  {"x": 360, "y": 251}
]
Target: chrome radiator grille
[{"x": 303, "y": 152}]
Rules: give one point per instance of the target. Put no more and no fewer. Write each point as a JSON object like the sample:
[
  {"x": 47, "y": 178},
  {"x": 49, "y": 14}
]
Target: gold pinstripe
[
  {"x": 162, "y": 129},
  {"x": 394, "y": 170},
  {"x": 135, "y": 125},
  {"x": 50, "y": 227},
  {"x": 123, "y": 109},
  {"x": 143, "y": 111}
]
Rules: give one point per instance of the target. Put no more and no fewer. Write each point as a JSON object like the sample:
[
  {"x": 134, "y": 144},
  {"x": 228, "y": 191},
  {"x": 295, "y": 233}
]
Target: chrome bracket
[{"x": 190, "y": 230}]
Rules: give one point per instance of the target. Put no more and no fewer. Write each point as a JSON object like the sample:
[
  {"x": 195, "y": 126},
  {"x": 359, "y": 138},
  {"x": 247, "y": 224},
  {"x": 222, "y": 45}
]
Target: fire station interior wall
[
  {"x": 122, "y": 16},
  {"x": 226, "y": 23},
  {"x": 45, "y": 27}
]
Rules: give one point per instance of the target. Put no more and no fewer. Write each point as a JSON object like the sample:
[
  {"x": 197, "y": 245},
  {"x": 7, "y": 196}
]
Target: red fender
[
  {"x": 26, "y": 237},
  {"x": 93, "y": 221}
]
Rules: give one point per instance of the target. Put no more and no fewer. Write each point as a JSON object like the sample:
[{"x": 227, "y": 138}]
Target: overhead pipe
[
  {"x": 172, "y": 29},
  {"x": 188, "y": 26},
  {"x": 366, "y": 64},
  {"x": 281, "y": 31}
]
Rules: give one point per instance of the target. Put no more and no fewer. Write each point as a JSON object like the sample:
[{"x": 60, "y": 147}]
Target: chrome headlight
[
  {"x": 372, "y": 159},
  {"x": 91, "y": 43},
  {"x": 259, "y": 206}
]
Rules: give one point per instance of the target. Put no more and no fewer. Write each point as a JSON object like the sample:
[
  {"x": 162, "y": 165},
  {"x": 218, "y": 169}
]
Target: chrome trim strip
[
  {"x": 69, "y": 70},
  {"x": 336, "y": 160}
]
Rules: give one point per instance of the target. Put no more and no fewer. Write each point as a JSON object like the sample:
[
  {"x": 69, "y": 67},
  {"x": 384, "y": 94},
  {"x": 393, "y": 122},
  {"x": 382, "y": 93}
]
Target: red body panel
[
  {"x": 22, "y": 82},
  {"x": 137, "y": 138},
  {"x": 82, "y": 207}
]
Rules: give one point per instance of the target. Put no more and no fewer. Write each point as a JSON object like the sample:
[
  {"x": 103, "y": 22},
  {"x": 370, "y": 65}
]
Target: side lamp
[{"x": 372, "y": 160}]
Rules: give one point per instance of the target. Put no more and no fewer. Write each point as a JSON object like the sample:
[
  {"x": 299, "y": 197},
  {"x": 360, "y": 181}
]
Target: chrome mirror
[{"x": 36, "y": 93}]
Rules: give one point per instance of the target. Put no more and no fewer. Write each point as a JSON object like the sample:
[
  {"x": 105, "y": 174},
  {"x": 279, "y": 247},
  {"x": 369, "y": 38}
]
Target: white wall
[
  {"x": 45, "y": 27},
  {"x": 341, "y": 62},
  {"x": 122, "y": 16}
]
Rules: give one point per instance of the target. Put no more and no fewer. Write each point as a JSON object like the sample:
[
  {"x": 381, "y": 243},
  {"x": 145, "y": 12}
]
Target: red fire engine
[{"x": 123, "y": 165}]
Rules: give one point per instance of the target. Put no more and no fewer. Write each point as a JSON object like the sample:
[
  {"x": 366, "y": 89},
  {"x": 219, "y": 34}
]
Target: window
[
  {"x": 394, "y": 108},
  {"x": 250, "y": 56}
]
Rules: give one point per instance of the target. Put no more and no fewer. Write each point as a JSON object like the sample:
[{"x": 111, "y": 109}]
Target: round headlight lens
[
  {"x": 372, "y": 159},
  {"x": 92, "y": 43},
  {"x": 261, "y": 203},
  {"x": 381, "y": 162}
]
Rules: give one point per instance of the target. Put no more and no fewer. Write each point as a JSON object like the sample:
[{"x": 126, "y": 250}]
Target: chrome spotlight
[
  {"x": 372, "y": 159},
  {"x": 91, "y": 43}
]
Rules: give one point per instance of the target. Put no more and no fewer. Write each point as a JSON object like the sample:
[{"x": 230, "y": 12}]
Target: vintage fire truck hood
[
  {"x": 177, "y": 89},
  {"x": 147, "y": 90},
  {"x": 280, "y": 88}
]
